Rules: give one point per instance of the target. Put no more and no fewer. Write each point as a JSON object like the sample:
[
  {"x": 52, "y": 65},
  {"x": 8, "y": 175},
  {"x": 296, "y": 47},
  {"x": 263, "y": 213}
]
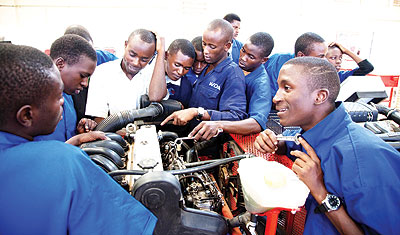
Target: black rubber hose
[
  {"x": 119, "y": 120},
  {"x": 110, "y": 144},
  {"x": 167, "y": 136},
  {"x": 184, "y": 171},
  {"x": 108, "y": 153},
  {"x": 391, "y": 114},
  {"x": 118, "y": 139}
]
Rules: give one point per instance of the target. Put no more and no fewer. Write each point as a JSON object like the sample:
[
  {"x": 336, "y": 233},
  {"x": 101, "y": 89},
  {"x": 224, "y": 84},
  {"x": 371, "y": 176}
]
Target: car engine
[{"x": 163, "y": 171}]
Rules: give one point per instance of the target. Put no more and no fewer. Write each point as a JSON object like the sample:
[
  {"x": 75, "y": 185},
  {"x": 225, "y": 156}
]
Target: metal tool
[{"x": 295, "y": 138}]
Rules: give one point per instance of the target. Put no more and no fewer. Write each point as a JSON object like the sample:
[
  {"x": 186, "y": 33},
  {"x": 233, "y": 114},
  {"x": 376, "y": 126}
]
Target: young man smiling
[
  {"x": 118, "y": 85},
  {"x": 219, "y": 92},
  {"x": 353, "y": 176},
  {"x": 252, "y": 57}
]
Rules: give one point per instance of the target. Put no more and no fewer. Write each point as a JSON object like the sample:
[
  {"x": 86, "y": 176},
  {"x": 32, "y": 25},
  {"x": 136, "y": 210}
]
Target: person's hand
[
  {"x": 181, "y": 117},
  {"x": 86, "y": 137},
  {"x": 206, "y": 130},
  {"x": 160, "y": 47},
  {"x": 85, "y": 125},
  {"x": 341, "y": 47},
  {"x": 308, "y": 168},
  {"x": 266, "y": 142}
]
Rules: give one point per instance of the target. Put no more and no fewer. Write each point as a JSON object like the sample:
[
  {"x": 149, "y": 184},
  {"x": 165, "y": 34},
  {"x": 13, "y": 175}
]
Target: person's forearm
[
  {"x": 353, "y": 56},
  {"x": 243, "y": 127},
  {"x": 158, "y": 85},
  {"x": 339, "y": 218},
  {"x": 364, "y": 68}
]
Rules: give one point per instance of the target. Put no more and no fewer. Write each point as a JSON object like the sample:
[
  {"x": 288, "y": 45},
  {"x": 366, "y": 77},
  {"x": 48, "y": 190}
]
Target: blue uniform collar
[
  {"x": 8, "y": 140},
  {"x": 221, "y": 65},
  {"x": 257, "y": 72},
  {"x": 328, "y": 127}
]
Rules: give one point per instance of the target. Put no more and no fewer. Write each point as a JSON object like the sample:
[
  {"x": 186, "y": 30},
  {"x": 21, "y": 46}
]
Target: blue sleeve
[
  {"x": 260, "y": 102},
  {"x": 236, "y": 47},
  {"x": 373, "y": 198},
  {"x": 343, "y": 75},
  {"x": 232, "y": 104},
  {"x": 273, "y": 67},
  {"x": 104, "y": 56}
]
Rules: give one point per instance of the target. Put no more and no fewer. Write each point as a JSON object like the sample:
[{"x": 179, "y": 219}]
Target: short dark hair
[
  {"x": 79, "y": 30},
  {"x": 305, "y": 41},
  {"x": 24, "y": 78},
  {"x": 264, "y": 41},
  {"x": 334, "y": 46},
  {"x": 320, "y": 74},
  {"x": 182, "y": 45},
  {"x": 223, "y": 25},
  {"x": 197, "y": 42},
  {"x": 71, "y": 47},
  {"x": 231, "y": 17},
  {"x": 144, "y": 34}
]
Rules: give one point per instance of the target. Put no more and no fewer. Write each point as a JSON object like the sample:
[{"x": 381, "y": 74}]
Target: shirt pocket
[{"x": 209, "y": 97}]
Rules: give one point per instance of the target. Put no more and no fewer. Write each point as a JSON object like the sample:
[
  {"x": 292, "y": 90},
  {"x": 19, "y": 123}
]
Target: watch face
[{"x": 333, "y": 202}]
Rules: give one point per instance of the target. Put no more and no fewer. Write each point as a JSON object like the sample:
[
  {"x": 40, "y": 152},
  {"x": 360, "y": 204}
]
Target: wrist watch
[
  {"x": 200, "y": 113},
  {"x": 330, "y": 203}
]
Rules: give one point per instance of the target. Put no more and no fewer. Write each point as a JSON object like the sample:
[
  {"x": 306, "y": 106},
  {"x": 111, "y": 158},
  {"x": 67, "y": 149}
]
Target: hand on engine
[
  {"x": 206, "y": 130},
  {"x": 181, "y": 117},
  {"x": 85, "y": 125},
  {"x": 86, "y": 137}
]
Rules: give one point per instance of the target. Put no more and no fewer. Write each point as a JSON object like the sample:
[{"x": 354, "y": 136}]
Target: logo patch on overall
[{"x": 215, "y": 85}]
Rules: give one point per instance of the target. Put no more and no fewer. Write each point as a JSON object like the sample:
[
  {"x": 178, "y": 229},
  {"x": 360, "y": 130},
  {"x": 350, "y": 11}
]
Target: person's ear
[
  {"x": 60, "y": 63},
  {"x": 166, "y": 55},
  {"x": 126, "y": 44},
  {"x": 227, "y": 46},
  {"x": 25, "y": 116},
  {"x": 322, "y": 96},
  {"x": 264, "y": 60},
  {"x": 300, "y": 54}
]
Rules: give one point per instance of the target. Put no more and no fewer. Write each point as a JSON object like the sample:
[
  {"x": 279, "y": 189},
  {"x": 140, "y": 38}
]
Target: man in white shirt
[{"x": 118, "y": 85}]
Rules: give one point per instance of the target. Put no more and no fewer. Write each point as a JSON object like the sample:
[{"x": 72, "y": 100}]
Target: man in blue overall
[
  {"x": 252, "y": 57},
  {"x": 49, "y": 187},
  {"x": 75, "y": 58},
  {"x": 235, "y": 21},
  {"x": 308, "y": 44},
  {"x": 353, "y": 175},
  {"x": 179, "y": 59},
  {"x": 219, "y": 92}
]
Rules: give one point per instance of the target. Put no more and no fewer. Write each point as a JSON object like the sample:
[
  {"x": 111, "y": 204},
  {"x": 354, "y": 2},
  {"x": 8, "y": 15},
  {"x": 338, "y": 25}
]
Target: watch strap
[
  {"x": 320, "y": 209},
  {"x": 200, "y": 113}
]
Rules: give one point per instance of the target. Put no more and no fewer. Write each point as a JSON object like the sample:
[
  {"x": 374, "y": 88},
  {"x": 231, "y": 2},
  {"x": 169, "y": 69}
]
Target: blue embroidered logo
[
  {"x": 215, "y": 85},
  {"x": 171, "y": 91}
]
